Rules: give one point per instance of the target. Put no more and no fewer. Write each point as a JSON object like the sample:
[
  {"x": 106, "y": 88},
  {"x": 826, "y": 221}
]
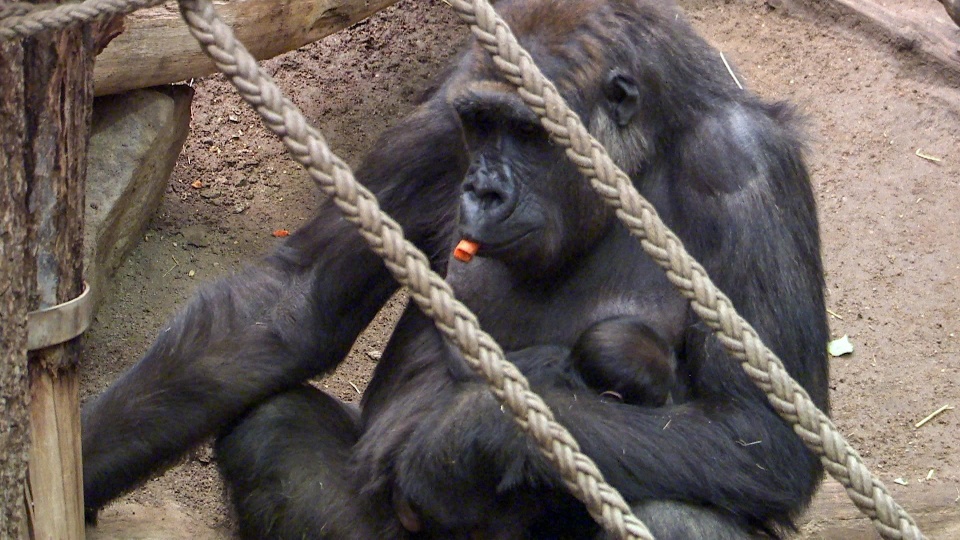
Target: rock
[
  {"x": 195, "y": 235},
  {"x": 136, "y": 138},
  {"x": 210, "y": 193}
]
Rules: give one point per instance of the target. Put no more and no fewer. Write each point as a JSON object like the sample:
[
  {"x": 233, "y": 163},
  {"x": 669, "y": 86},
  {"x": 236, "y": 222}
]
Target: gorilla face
[{"x": 521, "y": 200}]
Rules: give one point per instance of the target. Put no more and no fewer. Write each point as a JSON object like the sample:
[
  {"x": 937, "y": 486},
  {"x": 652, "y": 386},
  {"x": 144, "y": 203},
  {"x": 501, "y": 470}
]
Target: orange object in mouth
[{"x": 465, "y": 250}]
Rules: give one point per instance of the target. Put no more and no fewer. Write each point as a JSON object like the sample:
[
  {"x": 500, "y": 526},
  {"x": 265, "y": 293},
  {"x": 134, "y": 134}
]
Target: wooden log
[
  {"x": 45, "y": 107},
  {"x": 156, "y": 47},
  {"x": 833, "y": 516},
  {"x": 58, "y": 112},
  {"x": 933, "y": 39},
  {"x": 56, "y": 472}
]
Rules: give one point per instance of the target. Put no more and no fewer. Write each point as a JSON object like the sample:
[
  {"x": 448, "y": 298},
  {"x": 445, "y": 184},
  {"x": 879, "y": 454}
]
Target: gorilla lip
[{"x": 465, "y": 250}]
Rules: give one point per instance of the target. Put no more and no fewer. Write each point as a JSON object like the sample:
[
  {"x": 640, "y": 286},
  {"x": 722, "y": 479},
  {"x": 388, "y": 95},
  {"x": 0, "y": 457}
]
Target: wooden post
[
  {"x": 14, "y": 418},
  {"x": 45, "y": 109}
]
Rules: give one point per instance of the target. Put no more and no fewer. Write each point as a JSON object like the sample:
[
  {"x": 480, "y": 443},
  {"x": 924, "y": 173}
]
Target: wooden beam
[
  {"x": 156, "y": 47},
  {"x": 934, "y": 39},
  {"x": 45, "y": 104},
  {"x": 833, "y": 516}
]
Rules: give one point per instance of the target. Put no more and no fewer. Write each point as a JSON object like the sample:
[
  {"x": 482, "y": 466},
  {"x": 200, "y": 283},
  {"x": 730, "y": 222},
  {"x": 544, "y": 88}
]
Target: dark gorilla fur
[
  {"x": 624, "y": 358},
  {"x": 432, "y": 455}
]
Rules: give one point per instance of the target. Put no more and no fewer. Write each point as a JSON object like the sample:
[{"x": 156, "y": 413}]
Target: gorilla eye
[
  {"x": 527, "y": 129},
  {"x": 478, "y": 120}
]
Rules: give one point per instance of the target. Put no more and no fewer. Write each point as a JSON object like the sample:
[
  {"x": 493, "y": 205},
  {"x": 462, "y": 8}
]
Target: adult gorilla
[{"x": 430, "y": 456}]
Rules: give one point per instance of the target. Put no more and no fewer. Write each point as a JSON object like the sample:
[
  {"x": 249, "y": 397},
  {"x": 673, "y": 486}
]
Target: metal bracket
[{"x": 61, "y": 323}]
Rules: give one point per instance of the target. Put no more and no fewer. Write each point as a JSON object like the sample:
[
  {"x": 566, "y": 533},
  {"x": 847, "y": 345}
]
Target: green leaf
[{"x": 840, "y": 346}]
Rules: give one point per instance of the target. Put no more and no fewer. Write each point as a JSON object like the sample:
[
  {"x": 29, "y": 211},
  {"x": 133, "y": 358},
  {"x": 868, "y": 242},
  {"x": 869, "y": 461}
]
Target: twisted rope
[
  {"x": 741, "y": 341},
  {"x": 433, "y": 295},
  {"x": 411, "y": 268},
  {"x": 23, "y": 20}
]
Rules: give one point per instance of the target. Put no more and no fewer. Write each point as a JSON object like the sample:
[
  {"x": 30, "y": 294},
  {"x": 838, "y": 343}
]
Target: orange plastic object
[
  {"x": 465, "y": 250},
  {"x": 281, "y": 233}
]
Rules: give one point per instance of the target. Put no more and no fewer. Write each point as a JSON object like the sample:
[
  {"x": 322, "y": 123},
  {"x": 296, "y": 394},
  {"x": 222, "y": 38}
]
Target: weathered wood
[
  {"x": 935, "y": 40},
  {"x": 168, "y": 521},
  {"x": 157, "y": 44},
  {"x": 932, "y": 504},
  {"x": 57, "y": 100},
  {"x": 56, "y": 483},
  {"x": 14, "y": 420}
]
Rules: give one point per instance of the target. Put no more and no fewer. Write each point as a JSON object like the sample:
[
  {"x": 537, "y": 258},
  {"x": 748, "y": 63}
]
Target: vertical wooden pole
[
  {"x": 14, "y": 417},
  {"x": 58, "y": 73},
  {"x": 55, "y": 92}
]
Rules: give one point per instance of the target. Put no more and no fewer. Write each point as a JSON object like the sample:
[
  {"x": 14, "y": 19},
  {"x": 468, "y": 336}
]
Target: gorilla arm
[
  {"x": 740, "y": 199},
  {"x": 454, "y": 453},
  {"x": 276, "y": 323}
]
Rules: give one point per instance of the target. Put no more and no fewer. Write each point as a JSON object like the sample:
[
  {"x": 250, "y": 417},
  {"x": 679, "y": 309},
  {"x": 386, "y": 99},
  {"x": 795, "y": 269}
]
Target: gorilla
[
  {"x": 623, "y": 358},
  {"x": 430, "y": 454}
]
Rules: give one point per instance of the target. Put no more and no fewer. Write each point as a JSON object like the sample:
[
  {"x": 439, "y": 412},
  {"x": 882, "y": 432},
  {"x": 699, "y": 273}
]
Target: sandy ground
[{"x": 889, "y": 217}]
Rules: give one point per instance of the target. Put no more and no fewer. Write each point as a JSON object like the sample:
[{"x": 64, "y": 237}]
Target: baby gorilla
[
  {"x": 621, "y": 358},
  {"x": 625, "y": 359}
]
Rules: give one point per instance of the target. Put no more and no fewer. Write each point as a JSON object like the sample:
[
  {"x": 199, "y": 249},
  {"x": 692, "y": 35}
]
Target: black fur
[
  {"x": 623, "y": 358},
  {"x": 434, "y": 452}
]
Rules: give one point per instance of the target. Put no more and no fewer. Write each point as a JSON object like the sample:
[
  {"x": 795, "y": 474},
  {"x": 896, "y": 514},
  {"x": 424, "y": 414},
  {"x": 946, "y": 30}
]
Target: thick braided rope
[
  {"x": 22, "y": 20},
  {"x": 763, "y": 367},
  {"x": 411, "y": 268},
  {"x": 739, "y": 338},
  {"x": 385, "y": 237},
  {"x": 20, "y": 9}
]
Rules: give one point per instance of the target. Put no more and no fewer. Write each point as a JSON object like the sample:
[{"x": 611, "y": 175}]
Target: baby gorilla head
[
  {"x": 624, "y": 358},
  {"x": 621, "y": 358}
]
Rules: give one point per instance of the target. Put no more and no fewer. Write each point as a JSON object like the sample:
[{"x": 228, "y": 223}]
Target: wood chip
[
  {"x": 933, "y": 415},
  {"x": 928, "y": 157}
]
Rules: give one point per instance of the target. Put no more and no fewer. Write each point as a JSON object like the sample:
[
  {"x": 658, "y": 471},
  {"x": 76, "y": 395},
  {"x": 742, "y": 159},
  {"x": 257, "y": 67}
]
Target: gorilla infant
[{"x": 621, "y": 358}]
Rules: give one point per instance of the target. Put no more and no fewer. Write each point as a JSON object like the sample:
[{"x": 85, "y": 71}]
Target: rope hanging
[{"x": 411, "y": 268}]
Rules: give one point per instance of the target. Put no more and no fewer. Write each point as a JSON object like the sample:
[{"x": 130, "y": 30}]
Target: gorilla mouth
[
  {"x": 465, "y": 250},
  {"x": 495, "y": 247},
  {"x": 506, "y": 232}
]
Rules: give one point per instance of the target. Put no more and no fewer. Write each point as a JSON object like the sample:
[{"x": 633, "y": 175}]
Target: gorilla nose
[{"x": 489, "y": 195}]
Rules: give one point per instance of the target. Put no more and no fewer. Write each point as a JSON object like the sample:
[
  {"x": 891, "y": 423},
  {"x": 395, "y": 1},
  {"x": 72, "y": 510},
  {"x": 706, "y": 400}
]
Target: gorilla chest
[{"x": 557, "y": 310}]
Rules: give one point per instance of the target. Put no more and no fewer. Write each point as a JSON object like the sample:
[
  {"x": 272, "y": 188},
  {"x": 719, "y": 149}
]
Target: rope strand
[
  {"x": 454, "y": 320},
  {"x": 411, "y": 268}
]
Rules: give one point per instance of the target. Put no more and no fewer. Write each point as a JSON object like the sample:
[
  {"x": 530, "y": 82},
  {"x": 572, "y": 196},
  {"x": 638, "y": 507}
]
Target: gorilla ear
[{"x": 623, "y": 96}]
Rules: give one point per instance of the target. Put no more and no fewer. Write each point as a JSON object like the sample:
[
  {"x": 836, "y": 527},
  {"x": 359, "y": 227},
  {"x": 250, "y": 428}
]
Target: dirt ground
[{"x": 889, "y": 217}]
